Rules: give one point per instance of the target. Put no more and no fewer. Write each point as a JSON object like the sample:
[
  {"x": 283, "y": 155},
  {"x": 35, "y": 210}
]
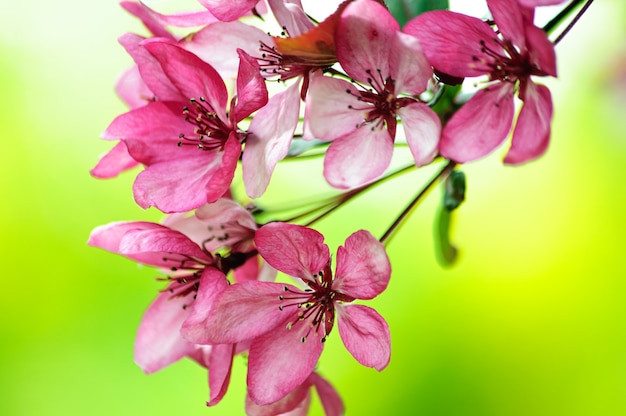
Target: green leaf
[
  {"x": 405, "y": 10},
  {"x": 453, "y": 196}
]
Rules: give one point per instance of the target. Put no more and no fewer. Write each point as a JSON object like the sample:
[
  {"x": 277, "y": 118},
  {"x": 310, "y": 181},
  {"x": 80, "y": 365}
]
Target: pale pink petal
[
  {"x": 292, "y": 249},
  {"x": 220, "y": 365},
  {"x": 541, "y": 50},
  {"x": 358, "y": 157},
  {"x": 408, "y": 65},
  {"x": 217, "y": 44},
  {"x": 193, "y": 77},
  {"x": 161, "y": 247},
  {"x": 177, "y": 185},
  {"x": 363, "y": 268},
  {"x": 532, "y": 131},
  {"x": 109, "y": 236},
  {"x": 452, "y": 41},
  {"x": 365, "y": 334},
  {"x": 287, "y": 404},
  {"x": 243, "y": 311},
  {"x": 132, "y": 89},
  {"x": 480, "y": 125},
  {"x": 269, "y": 137},
  {"x": 332, "y": 403},
  {"x": 114, "y": 162},
  {"x": 251, "y": 90},
  {"x": 212, "y": 284},
  {"x": 330, "y": 107},
  {"x": 290, "y": 15},
  {"x": 279, "y": 361},
  {"x": 226, "y": 210},
  {"x": 422, "y": 129},
  {"x": 365, "y": 31},
  {"x": 229, "y": 10},
  {"x": 158, "y": 343},
  {"x": 155, "y": 22},
  {"x": 151, "y": 72},
  {"x": 510, "y": 21}
]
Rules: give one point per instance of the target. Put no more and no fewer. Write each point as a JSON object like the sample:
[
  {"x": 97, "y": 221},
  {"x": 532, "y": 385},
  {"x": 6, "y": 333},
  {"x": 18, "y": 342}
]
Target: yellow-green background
[{"x": 532, "y": 320}]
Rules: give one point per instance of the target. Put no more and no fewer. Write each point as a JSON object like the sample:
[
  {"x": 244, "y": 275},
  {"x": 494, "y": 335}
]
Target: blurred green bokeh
[{"x": 531, "y": 321}]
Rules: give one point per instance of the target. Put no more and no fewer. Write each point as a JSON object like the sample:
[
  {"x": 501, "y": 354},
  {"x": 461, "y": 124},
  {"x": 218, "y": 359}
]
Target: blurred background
[{"x": 530, "y": 321}]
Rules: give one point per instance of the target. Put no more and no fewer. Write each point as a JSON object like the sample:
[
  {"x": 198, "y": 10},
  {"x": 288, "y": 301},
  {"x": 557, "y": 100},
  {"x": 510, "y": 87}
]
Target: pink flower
[
  {"x": 296, "y": 403},
  {"x": 287, "y": 325},
  {"x": 463, "y": 46},
  {"x": 361, "y": 118},
  {"x": 188, "y": 139}
]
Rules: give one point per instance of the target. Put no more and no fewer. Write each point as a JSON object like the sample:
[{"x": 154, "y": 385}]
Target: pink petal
[
  {"x": 329, "y": 112},
  {"x": 291, "y": 16},
  {"x": 365, "y": 31},
  {"x": 161, "y": 247},
  {"x": 158, "y": 343},
  {"x": 532, "y": 131},
  {"x": 109, "y": 236},
  {"x": 288, "y": 403},
  {"x": 212, "y": 284},
  {"x": 279, "y": 361},
  {"x": 358, "y": 157},
  {"x": 243, "y": 311},
  {"x": 220, "y": 365},
  {"x": 541, "y": 50},
  {"x": 269, "y": 137},
  {"x": 148, "y": 17},
  {"x": 114, "y": 162},
  {"x": 151, "y": 72},
  {"x": 510, "y": 21},
  {"x": 331, "y": 401},
  {"x": 229, "y": 10},
  {"x": 251, "y": 90},
  {"x": 480, "y": 125},
  {"x": 534, "y": 3},
  {"x": 156, "y": 22},
  {"x": 422, "y": 129},
  {"x": 451, "y": 41},
  {"x": 408, "y": 65},
  {"x": 226, "y": 210},
  {"x": 365, "y": 334},
  {"x": 363, "y": 268},
  {"x": 292, "y": 249},
  {"x": 219, "y": 183},
  {"x": 193, "y": 77},
  {"x": 132, "y": 89}
]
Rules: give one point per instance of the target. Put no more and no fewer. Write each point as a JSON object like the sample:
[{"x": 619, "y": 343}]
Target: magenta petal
[
  {"x": 532, "y": 131},
  {"x": 358, "y": 157},
  {"x": 363, "y": 268},
  {"x": 364, "y": 33},
  {"x": 279, "y": 361},
  {"x": 193, "y": 77},
  {"x": 534, "y": 3},
  {"x": 332, "y": 403},
  {"x": 452, "y": 40},
  {"x": 292, "y": 249},
  {"x": 243, "y": 311},
  {"x": 114, "y": 162},
  {"x": 148, "y": 17},
  {"x": 288, "y": 403},
  {"x": 365, "y": 334},
  {"x": 161, "y": 247},
  {"x": 251, "y": 90},
  {"x": 158, "y": 341},
  {"x": 212, "y": 284},
  {"x": 480, "y": 125},
  {"x": 508, "y": 16},
  {"x": 541, "y": 50},
  {"x": 219, "y": 183},
  {"x": 422, "y": 129},
  {"x": 154, "y": 120},
  {"x": 220, "y": 365},
  {"x": 269, "y": 137}
]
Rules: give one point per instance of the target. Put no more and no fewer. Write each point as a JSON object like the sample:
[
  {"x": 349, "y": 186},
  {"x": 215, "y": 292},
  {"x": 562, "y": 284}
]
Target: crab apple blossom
[
  {"x": 463, "y": 46},
  {"x": 188, "y": 140},
  {"x": 287, "y": 325},
  {"x": 360, "y": 118}
]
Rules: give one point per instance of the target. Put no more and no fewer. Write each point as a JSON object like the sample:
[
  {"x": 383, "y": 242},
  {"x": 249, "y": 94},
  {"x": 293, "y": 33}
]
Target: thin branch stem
[
  {"x": 573, "y": 22},
  {"x": 556, "y": 20},
  {"x": 409, "y": 208}
]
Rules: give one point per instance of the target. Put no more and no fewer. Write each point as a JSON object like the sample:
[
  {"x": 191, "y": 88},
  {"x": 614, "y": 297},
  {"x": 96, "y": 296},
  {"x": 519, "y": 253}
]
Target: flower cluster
[{"x": 200, "y": 106}]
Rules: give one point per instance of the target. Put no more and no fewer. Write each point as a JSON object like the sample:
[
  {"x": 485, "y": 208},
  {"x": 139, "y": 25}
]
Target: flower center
[
  {"x": 211, "y": 132},
  {"x": 508, "y": 64}
]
